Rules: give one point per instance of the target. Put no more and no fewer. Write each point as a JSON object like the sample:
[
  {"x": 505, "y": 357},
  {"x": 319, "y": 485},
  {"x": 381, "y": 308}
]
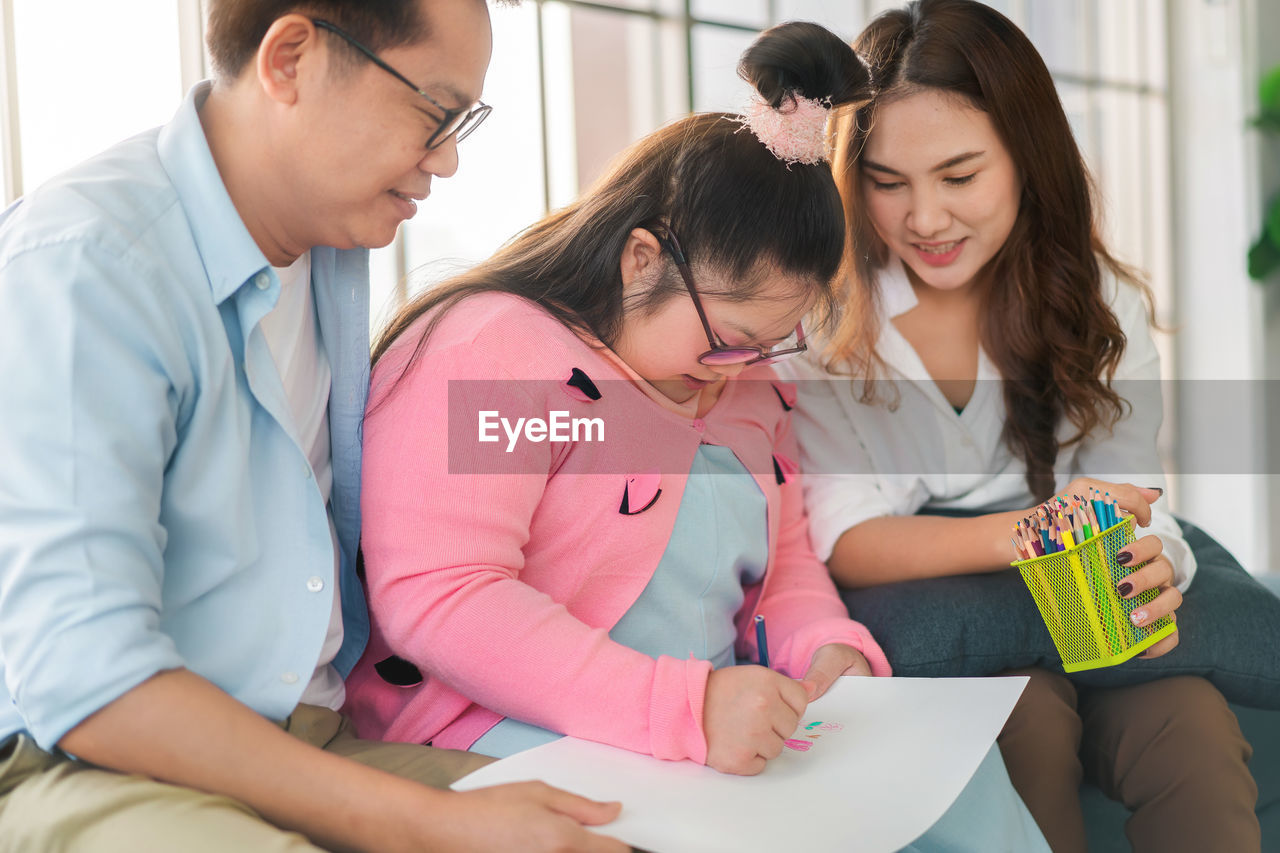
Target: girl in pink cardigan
[{"x": 578, "y": 486}]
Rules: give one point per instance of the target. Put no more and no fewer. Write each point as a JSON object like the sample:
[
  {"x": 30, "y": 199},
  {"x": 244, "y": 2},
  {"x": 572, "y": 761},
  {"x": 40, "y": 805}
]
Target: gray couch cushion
[{"x": 975, "y": 625}]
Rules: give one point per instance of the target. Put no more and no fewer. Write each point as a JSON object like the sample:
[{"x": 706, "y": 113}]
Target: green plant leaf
[
  {"x": 1268, "y": 121},
  {"x": 1273, "y": 221},
  {"x": 1269, "y": 90},
  {"x": 1264, "y": 258}
]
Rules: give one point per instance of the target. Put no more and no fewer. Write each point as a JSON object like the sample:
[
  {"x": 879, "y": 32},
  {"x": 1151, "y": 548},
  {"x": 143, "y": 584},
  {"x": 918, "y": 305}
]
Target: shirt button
[
  {"x": 289, "y": 677},
  {"x": 262, "y": 280},
  {"x": 315, "y": 583},
  {"x": 699, "y": 424}
]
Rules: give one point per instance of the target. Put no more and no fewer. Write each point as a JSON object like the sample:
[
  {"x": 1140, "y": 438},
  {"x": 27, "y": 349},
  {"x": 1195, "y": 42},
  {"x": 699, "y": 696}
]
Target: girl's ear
[{"x": 641, "y": 252}]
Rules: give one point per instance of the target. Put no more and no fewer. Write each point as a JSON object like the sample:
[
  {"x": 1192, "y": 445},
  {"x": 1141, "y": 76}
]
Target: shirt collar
[
  {"x": 229, "y": 252},
  {"x": 897, "y": 297}
]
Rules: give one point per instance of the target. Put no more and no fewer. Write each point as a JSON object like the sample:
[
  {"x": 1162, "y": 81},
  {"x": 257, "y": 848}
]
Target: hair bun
[{"x": 806, "y": 59}]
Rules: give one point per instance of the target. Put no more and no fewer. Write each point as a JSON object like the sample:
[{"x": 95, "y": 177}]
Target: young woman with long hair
[{"x": 991, "y": 352}]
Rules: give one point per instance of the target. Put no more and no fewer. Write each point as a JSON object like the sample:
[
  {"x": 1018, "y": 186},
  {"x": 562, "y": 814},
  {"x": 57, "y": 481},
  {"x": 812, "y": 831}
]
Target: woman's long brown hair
[{"x": 1045, "y": 323}]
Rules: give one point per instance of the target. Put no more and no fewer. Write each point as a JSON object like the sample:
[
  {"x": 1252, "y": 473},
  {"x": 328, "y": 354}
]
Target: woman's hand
[
  {"x": 747, "y": 713},
  {"x": 1136, "y": 500},
  {"x": 1152, "y": 571},
  {"x": 830, "y": 662}
]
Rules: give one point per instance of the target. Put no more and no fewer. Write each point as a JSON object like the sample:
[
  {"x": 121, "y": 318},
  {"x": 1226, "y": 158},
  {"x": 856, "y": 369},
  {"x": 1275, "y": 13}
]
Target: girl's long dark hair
[
  {"x": 1045, "y": 323},
  {"x": 733, "y": 205}
]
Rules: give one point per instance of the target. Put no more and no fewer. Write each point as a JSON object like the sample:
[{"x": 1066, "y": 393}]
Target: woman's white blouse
[{"x": 864, "y": 461}]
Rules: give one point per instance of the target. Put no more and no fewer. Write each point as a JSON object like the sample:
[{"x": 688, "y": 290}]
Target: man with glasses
[{"x": 185, "y": 327}]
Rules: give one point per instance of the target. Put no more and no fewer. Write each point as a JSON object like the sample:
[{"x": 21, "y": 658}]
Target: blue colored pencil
[{"x": 762, "y": 641}]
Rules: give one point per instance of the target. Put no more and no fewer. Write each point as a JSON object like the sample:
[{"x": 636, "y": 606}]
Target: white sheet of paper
[{"x": 879, "y": 761}]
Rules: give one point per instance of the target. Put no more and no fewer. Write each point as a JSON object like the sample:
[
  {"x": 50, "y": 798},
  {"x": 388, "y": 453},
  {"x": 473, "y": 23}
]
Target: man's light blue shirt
[{"x": 155, "y": 511}]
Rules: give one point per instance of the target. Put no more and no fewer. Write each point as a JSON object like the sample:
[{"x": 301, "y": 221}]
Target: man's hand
[
  {"x": 522, "y": 816},
  {"x": 177, "y": 727}
]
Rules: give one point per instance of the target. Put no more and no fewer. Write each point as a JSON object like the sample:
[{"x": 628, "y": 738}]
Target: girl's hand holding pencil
[{"x": 747, "y": 713}]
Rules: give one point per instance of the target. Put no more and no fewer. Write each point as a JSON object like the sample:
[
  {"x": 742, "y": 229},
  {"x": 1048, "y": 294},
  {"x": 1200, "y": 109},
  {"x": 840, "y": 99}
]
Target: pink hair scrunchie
[{"x": 795, "y": 132}]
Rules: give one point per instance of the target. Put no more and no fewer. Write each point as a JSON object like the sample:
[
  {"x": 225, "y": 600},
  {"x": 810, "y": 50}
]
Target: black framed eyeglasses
[
  {"x": 460, "y": 122},
  {"x": 720, "y": 354}
]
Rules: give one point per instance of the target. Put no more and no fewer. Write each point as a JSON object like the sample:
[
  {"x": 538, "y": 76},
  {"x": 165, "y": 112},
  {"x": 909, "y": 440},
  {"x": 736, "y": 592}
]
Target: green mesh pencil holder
[{"x": 1075, "y": 590}]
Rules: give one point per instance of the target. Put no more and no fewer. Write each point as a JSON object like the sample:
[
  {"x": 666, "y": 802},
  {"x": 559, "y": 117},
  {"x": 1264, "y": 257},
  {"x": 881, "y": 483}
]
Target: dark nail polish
[
  {"x": 1124, "y": 558},
  {"x": 1155, "y": 489},
  {"x": 1125, "y": 588}
]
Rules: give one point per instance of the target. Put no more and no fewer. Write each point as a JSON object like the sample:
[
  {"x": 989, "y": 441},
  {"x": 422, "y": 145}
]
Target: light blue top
[
  {"x": 987, "y": 817},
  {"x": 719, "y": 544},
  {"x": 154, "y": 512}
]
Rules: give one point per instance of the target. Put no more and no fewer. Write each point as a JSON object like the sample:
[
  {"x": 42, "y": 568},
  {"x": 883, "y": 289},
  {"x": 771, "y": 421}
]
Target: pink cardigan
[{"x": 497, "y": 575}]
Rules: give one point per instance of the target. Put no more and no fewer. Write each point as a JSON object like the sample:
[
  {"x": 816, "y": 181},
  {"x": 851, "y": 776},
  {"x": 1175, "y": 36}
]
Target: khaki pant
[
  {"x": 52, "y": 803},
  {"x": 1170, "y": 750}
]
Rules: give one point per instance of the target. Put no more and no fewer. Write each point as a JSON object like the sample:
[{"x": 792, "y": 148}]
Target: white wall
[
  {"x": 1222, "y": 428},
  {"x": 1262, "y": 23}
]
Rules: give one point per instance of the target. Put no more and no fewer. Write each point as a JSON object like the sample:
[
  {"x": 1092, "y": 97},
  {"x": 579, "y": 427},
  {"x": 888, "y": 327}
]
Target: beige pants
[
  {"x": 1170, "y": 750},
  {"x": 51, "y": 803}
]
